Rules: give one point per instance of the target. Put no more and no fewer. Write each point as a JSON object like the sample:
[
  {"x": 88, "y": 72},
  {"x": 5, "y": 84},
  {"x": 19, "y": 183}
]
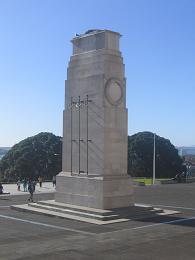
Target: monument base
[
  {"x": 92, "y": 215},
  {"x": 100, "y": 192}
]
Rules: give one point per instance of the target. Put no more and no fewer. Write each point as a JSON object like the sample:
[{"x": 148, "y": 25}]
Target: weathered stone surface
[{"x": 97, "y": 192}]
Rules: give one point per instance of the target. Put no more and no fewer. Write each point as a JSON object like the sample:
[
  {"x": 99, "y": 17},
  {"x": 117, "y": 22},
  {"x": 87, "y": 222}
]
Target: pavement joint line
[
  {"x": 166, "y": 222},
  {"x": 90, "y": 233},
  {"x": 4, "y": 206},
  {"x": 47, "y": 225},
  {"x": 152, "y": 225}
]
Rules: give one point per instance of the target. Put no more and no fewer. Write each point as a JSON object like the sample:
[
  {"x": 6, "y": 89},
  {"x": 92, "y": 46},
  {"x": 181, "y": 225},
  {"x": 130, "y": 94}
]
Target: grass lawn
[{"x": 147, "y": 181}]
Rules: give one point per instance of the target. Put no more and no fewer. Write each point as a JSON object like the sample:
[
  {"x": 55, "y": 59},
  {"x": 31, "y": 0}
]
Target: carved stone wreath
[{"x": 114, "y": 91}]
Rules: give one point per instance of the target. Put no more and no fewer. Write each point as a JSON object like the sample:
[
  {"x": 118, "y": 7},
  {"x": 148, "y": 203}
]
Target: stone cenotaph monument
[
  {"x": 94, "y": 170},
  {"x": 94, "y": 186}
]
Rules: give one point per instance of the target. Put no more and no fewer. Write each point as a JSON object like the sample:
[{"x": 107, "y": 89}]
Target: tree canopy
[
  {"x": 39, "y": 155},
  {"x": 140, "y": 156}
]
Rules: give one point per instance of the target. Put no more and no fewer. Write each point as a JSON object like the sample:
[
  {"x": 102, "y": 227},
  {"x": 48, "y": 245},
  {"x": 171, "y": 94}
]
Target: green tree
[
  {"x": 39, "y": 155},
  {"x": 140, "y": 156}
]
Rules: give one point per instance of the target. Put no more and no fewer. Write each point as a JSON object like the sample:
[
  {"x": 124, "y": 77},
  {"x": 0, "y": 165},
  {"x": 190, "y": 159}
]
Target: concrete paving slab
[{"x": 33, "y": 236}]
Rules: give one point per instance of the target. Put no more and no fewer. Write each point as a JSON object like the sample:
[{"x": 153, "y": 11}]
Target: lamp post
[{"x": 154, "y": 160}]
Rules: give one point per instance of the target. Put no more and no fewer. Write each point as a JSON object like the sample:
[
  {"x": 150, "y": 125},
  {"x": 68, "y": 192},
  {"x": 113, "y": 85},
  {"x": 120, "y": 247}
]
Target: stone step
[
  {"x": 75, "y": 207},
  {"x": 131, "y": 212},
  {"x": 74, "y": 212},
  {"x": 91, "y": 215},
  {"x": 28, "y": 208},
  {"x": 136, "y": 209}
]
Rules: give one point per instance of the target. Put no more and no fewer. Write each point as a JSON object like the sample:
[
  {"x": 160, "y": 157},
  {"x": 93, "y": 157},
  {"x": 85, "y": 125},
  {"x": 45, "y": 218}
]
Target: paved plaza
[
  {"x": 47, "y": 187},
  {"x": 30, "y": 236}
]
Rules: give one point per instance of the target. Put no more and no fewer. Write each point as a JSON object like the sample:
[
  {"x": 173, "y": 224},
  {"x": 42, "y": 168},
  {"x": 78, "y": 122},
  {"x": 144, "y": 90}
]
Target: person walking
[
  {"x": 18, "y": 184},
  {"x": 31, "y": 189},
  {"x": 34, "y": 184},
  {"x": 54, "y": 181},
  {"x": 25, "y": 184},
  {"x": 40, "y": 180},
  {"x": 1, "y": 188}
]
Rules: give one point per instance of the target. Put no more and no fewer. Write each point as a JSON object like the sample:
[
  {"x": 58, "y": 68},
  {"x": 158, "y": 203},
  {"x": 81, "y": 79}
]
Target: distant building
[
  {"x": 191, "y": 171},
  {"x": 183, "y": 150}
]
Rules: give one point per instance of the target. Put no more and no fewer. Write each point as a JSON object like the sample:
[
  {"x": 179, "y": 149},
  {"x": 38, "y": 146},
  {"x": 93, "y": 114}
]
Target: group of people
[
  {"x": 26, "y": 182},
  {"x": 29, "y": 185}
]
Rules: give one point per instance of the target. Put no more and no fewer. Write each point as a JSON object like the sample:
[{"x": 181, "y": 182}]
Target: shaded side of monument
[{"x": 94, "y": 186}]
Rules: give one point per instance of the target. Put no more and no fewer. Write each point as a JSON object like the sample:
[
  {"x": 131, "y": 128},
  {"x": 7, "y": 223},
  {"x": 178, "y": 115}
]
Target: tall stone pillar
[{"x": 94, "y": 171}]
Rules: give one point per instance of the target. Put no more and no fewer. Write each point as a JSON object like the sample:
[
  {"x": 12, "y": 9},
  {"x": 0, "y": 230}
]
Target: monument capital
[{"x": 95, "y": 40}]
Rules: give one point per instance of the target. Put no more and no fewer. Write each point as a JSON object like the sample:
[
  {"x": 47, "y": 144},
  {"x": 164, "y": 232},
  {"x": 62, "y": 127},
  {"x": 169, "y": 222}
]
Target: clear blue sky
[{"x": 158, "y": 47}]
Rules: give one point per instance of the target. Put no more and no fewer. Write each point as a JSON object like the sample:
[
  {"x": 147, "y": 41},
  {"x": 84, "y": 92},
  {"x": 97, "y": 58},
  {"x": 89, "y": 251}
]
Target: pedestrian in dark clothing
[
  {"x": 54, "y": 181},
  {"x": 40, "y": 180},
  {"x": 34, "y": 184},
  {"x": 18, "y": 184},
  {"x": 31, "y": 189},
  {"x": 25, "y": 184},
  {"x": 1, "y": 188}
]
